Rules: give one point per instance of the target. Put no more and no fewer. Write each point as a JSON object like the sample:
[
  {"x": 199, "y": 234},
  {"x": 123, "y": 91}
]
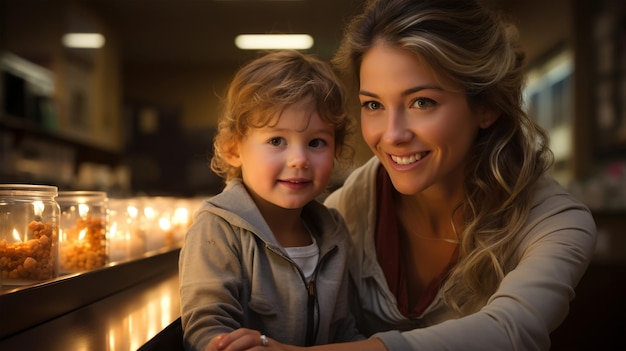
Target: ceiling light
[
  {"x": 83, "y": 40},
  {"x": 273, "y": 41}
]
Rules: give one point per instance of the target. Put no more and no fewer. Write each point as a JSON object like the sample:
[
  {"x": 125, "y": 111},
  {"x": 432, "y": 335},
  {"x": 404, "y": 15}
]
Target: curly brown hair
[{"x": 264, "y": 87}]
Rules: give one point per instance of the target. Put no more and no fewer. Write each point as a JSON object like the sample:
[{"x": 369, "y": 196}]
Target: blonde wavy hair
[
  {"x": 263, "y": 88},
  {"x": 471, "y": 47}
]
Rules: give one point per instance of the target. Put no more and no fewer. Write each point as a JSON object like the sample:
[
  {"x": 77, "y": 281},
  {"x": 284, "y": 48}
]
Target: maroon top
[{"x": 390, "y": 256}]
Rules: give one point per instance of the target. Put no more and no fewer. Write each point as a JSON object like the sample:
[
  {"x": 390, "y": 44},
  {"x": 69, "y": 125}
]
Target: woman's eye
[
  {"x": 422, "y": 103},
  {"x": 317, "y": 143},
  {"x": 371, "y": 105},
  {"x": 276, "y": 141}
]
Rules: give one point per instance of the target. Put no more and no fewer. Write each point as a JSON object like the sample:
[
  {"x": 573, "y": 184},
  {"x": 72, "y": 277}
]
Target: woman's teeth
[{"x": 405, "y": 160}]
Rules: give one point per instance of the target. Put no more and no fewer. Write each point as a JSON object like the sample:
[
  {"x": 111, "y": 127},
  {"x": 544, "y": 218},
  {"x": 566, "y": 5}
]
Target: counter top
[{"x": 123, "y": 320}]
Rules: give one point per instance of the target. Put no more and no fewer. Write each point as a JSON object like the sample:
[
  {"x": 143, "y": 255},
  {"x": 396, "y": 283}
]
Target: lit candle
[
  {"x": 125, "y": 232},
  {"x": 16, "y": 235},
  {"x": 157, "y": 225},
  {"x": 24, "y": 260},
  {"x": 28, "y": 233}
]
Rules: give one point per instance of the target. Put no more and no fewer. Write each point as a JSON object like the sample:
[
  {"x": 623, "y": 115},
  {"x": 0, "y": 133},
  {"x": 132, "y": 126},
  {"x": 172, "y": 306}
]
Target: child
[{"x": 264, "y": 254}]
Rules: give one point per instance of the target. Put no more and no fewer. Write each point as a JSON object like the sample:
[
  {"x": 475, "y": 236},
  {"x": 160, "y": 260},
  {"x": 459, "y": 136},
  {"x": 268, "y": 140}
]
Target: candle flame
[
  {"x": 165, "y": 224},
  {"x": 181, "y": 216},
  {"x": 113, "y": 230},
  {"x": 132, "y": 211},
  {"x": 38, "y": 208},
  {"x": 149, "y": 212},
  {"x": 83, "y": 210},
  {"x": 82, "y": 234},
  {"x": 16, "y": 235}
]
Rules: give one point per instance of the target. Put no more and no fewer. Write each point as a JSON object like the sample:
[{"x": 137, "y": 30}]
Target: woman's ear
[{"x": 487, "y": 117}]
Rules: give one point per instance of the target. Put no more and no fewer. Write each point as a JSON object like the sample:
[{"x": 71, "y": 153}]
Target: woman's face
[{"x": 421, "y": 132}]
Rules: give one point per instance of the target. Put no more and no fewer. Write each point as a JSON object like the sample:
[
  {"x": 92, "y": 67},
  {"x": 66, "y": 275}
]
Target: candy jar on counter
[
  {"x": 29, "y": 233},
  {"x": 83, "y": 242}
]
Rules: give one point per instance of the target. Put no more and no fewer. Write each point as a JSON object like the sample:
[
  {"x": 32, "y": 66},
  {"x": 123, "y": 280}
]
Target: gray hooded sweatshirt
[{"x": 234, "y": 273}]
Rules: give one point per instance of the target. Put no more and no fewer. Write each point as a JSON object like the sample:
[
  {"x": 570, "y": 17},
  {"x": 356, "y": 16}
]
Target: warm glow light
[
  {"x": 165, "y": 224},
  {"x": 273, "y": 41},
  {"x": 82, "y": 234},
  {"x": 181, "y": 216},
  {"x": 113, "y": 230},
  {"x": 166, "y": 307},
  {"x": 83, "y": 210},
  {"x": 112, "y": 339},
  {"x": 16, "y": 235},
  {"x": 149, "y": 212},
  {"x": 83, "y": 40},
  {"x": 38, "y": 208},
  {"x": 132, "y": 211}
]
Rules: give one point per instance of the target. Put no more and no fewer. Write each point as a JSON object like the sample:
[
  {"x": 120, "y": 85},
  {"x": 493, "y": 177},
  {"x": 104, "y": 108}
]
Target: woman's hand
[{"x": 246, "y": 339}]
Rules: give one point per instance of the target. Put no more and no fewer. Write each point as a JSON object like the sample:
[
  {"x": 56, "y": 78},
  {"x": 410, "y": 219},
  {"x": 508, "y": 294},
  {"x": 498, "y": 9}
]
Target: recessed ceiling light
[
  {"x": 83, "y": 40},
  {"x": 274, "y": 41},
  {"x": 261, "y": 0}
]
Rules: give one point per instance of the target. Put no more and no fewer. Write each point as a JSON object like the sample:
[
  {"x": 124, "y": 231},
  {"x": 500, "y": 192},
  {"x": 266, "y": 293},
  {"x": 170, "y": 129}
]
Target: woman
[{"x": 462, "y": 241}]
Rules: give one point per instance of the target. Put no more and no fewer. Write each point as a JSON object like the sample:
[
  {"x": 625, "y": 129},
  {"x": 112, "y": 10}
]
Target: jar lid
[
  {"x": 81, "y": 196},
  {"x": 27, "y": 190}
]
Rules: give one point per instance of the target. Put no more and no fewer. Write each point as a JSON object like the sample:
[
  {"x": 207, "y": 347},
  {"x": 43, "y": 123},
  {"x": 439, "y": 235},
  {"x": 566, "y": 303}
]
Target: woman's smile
[{"x": 406, "y": 160}]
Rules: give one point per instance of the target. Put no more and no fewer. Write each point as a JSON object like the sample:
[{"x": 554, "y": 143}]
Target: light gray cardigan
[{"x": 553, "y": 250}]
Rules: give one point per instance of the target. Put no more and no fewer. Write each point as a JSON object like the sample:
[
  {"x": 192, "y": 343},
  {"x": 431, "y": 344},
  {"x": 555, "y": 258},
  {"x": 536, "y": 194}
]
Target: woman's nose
[{"x": 397, "y": 128}]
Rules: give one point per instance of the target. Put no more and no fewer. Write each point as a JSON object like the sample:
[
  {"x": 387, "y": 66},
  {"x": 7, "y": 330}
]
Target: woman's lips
[{"x": 407, "y": 160}]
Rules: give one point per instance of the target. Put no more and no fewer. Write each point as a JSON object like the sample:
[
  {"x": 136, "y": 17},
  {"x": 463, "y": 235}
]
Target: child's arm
[{"x": 210, "y": 281}]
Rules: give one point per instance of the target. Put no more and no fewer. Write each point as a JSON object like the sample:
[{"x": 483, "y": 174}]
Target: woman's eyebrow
[
  {"x": 420, "y": 88},
  {"x": 406, "y": 92}
]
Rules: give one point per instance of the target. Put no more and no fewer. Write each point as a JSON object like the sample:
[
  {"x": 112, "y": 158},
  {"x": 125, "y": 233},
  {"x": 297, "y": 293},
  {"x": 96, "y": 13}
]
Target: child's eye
[
  {"x": 371, "y": 105},
  {"x": 276, "y": 141},
  {"x": 422, "y": 103},
  {"x": 317, "y": 143}
]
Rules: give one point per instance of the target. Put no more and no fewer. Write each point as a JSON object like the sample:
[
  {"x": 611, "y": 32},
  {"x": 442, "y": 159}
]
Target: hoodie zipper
[{"x": 312, "y": 325}]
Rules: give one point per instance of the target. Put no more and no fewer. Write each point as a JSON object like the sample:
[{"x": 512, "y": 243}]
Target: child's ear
[
  {"x": 488, "y": 116},
  {"x": 231, "y": 155}
]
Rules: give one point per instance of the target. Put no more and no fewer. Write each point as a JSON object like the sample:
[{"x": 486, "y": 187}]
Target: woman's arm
[{"x": 533, "y": 298}]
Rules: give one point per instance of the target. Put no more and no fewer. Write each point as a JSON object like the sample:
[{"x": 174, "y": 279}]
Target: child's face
[{"x": 289, "y": 162}]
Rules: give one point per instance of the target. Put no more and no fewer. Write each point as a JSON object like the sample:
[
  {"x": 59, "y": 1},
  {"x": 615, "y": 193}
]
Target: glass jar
[
  {"x": 126, "y": 235},
  {"x": 29, "y": 232},
  {"x": 182, "y": 218},
  {"x": 83, "y": 242},
  {"x": 157, "y": 222}
]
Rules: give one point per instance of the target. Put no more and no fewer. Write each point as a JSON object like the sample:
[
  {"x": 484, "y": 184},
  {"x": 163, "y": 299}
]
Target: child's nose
[{"x": 298, "y": 158}]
